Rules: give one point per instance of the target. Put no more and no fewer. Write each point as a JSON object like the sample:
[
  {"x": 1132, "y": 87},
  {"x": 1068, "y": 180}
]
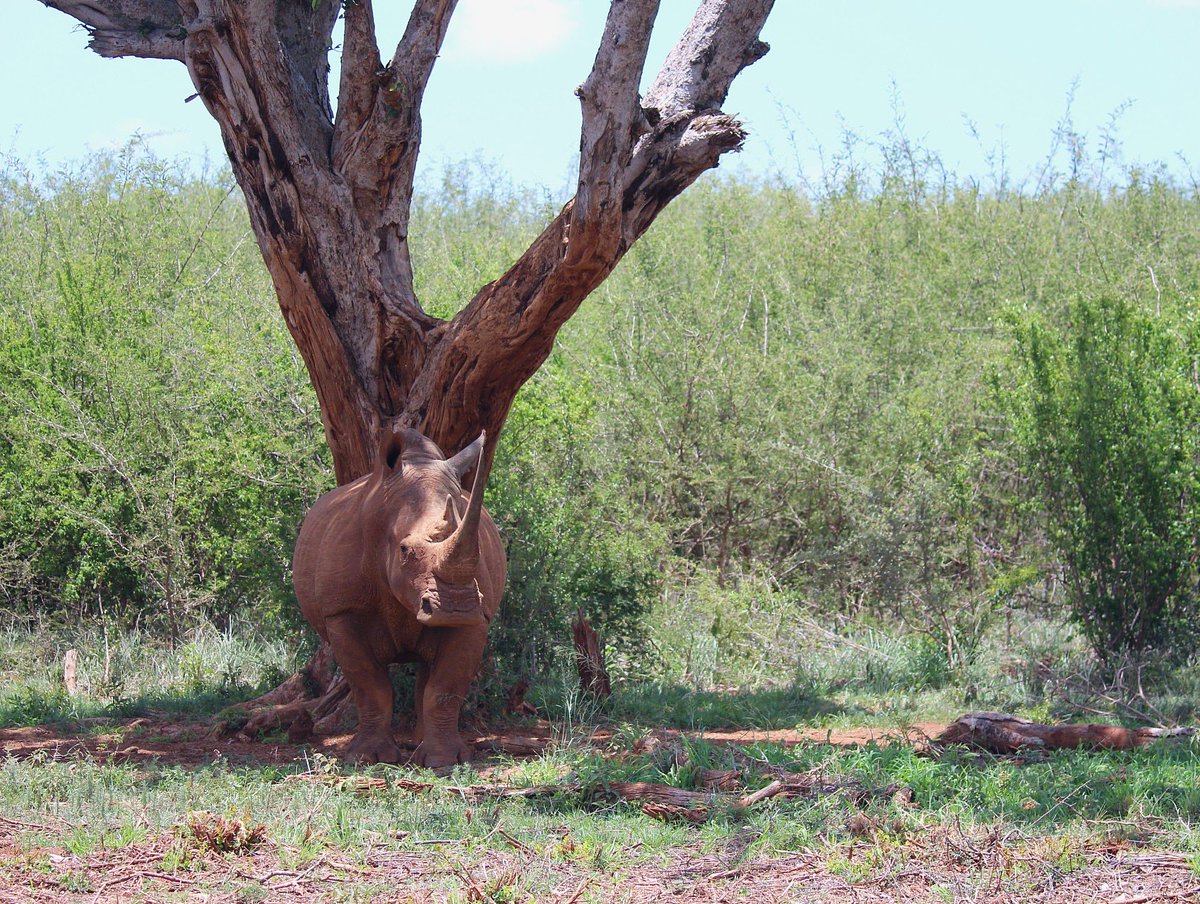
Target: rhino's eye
[{"x": 405, "y": 549}]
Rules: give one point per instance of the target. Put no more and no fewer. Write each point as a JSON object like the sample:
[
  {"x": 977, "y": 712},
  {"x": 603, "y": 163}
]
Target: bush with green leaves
[
  {"x": 1106, "y": 410},
  {"x": 159, "y": 441},
  {"x": 573, "y": 540},
  {"x": 774, "y": 412}
]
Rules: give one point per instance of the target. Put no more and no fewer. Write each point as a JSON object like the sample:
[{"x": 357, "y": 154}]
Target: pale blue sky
[{"x": 503, "y": 89}]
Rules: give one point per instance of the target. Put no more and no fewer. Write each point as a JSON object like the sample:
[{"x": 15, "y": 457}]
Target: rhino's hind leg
[{"x": 372, "y": 689}]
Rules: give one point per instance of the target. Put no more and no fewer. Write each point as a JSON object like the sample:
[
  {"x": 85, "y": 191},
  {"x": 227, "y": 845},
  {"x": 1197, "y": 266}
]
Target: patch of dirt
[
  {"x": 941, "y": 864},
  {"x": 190, "y": 743}
]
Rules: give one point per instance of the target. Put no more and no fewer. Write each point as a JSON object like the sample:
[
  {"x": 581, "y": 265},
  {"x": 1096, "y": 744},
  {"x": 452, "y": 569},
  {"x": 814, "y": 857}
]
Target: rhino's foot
[
  {"x": 434, "y": 755},
  {"x": 367, "y": 749}
]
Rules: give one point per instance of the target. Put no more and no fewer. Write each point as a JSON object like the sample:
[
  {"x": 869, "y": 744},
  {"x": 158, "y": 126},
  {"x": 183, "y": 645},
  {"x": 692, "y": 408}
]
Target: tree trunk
[{"x": 329, "y": 196}]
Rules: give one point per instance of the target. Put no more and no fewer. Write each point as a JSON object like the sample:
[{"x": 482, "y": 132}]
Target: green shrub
[
  {"x": 572, "y": 541},
  {"x": 1106, "y": 410}
]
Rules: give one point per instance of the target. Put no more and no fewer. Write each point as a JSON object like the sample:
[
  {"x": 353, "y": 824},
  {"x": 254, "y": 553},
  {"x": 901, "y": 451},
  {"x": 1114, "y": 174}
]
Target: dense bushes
[
  {"x": 782, "y": 405},
  {"x": 158, "y": 440},
  {"x": 1107, "y": 414}
]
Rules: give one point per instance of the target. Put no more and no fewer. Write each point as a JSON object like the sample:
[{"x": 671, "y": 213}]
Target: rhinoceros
[{"x": 403, "y": 566}]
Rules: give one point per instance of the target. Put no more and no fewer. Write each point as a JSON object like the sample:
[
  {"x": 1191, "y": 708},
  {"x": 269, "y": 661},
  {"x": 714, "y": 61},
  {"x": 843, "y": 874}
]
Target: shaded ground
[
  {"x": 878, "y": 864},
  {"x": 190, "y": 743}
]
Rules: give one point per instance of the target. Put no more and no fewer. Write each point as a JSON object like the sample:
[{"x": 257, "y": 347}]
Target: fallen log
[
  {"x": 1003, "y": 734},
  {"x": 668, "y": 803}
]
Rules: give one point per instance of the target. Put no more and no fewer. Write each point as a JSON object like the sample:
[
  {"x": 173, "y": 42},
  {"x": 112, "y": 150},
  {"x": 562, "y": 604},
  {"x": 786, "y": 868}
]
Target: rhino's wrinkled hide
[{"x": 402, "y": 565}]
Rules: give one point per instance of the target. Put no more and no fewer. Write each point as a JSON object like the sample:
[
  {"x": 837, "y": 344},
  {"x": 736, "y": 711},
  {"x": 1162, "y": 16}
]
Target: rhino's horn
[{"x": 460, "y": 555}]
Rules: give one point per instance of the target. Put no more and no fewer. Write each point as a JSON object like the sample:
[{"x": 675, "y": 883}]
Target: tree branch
[
  {"x": 421, "y": 44},
  {"x": 548, "y": 283},
  {"x": 378, "y": 136},
  {"x": 152, "y": 29},
  {"x": 360, "y": 72},
  {"x": 612, "y": 120},
  {"x": 720, "y": 42},
  {"x": 634, "y": 161}
]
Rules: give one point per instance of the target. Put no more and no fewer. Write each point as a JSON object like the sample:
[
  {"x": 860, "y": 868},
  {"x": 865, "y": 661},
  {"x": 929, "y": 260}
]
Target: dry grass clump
[{"x": 223, "y": 834}]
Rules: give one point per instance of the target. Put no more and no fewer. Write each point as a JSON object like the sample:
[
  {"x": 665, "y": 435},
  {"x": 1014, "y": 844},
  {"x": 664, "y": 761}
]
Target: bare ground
[
  {"x": 946, "y": 864},
  {"x": 192, "y": 743}
]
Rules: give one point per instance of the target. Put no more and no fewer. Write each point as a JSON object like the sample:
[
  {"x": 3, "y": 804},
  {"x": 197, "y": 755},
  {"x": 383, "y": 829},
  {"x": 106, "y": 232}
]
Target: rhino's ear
[
  {"x": 391, "y": 446},
  {"x": 465, "y": 460}
]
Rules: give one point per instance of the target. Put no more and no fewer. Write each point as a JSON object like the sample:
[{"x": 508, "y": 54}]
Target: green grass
[
  {"x": 1072, "y": 802},
  {"x": 132, "y": 673},
  {"x": 1037, "y": 823}
]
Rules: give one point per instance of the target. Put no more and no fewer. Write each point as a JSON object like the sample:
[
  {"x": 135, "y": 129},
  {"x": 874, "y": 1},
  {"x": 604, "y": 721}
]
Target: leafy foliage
[
  {"x": 158, "y": 441},
  {"x": 573, "y": 540},
  {"x": 1107, "y": 411},
  {"x": 775, "y": 413}
]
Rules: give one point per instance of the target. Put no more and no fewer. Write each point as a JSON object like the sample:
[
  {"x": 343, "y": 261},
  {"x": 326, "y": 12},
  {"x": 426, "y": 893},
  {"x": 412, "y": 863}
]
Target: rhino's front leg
[
  {"x": 372, "y": 689},
  {"x": 419, "y": 703},
  {"x": 454, "y": 666}
]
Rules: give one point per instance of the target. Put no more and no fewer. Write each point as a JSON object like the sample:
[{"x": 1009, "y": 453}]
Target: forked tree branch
[
  {"x": 628, "y": 175},
  {"x": 634, "y": 159}
]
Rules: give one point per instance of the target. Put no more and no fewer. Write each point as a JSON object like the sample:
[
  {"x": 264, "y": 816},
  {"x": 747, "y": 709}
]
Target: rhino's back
[{"x": 327, "y": 565}]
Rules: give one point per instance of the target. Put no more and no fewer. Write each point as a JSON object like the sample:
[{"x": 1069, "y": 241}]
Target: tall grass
[{"x": 122, "y": 671}]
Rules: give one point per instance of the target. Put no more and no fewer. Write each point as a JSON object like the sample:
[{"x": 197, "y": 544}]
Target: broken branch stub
[{"x": 589, "y": 658}]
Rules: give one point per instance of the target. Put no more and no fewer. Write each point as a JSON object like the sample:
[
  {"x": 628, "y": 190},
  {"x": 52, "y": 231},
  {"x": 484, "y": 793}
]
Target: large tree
[{"x": 329, "y": 194}]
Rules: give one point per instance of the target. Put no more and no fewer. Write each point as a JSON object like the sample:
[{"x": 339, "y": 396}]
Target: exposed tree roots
[{"x": 314, "y": 700}]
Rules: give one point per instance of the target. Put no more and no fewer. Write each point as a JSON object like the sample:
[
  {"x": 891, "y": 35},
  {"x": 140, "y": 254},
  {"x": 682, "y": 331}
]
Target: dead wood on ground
[{"x": 1003, "y": 734}]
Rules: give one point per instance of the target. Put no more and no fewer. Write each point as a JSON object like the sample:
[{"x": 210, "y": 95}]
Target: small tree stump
[
  {"x": 589, "y": 658},
  {"x": 515, "y": 702},
  {"x": 71, "y": 671}
]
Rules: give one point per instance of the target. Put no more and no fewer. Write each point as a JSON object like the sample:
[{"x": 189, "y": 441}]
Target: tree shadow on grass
[
  {"x": 27, "y": 706},
  {"x": 676, "y": 706}
]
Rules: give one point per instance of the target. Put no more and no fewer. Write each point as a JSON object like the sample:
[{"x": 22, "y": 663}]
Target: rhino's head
[{"x": 431, "y": 552}]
